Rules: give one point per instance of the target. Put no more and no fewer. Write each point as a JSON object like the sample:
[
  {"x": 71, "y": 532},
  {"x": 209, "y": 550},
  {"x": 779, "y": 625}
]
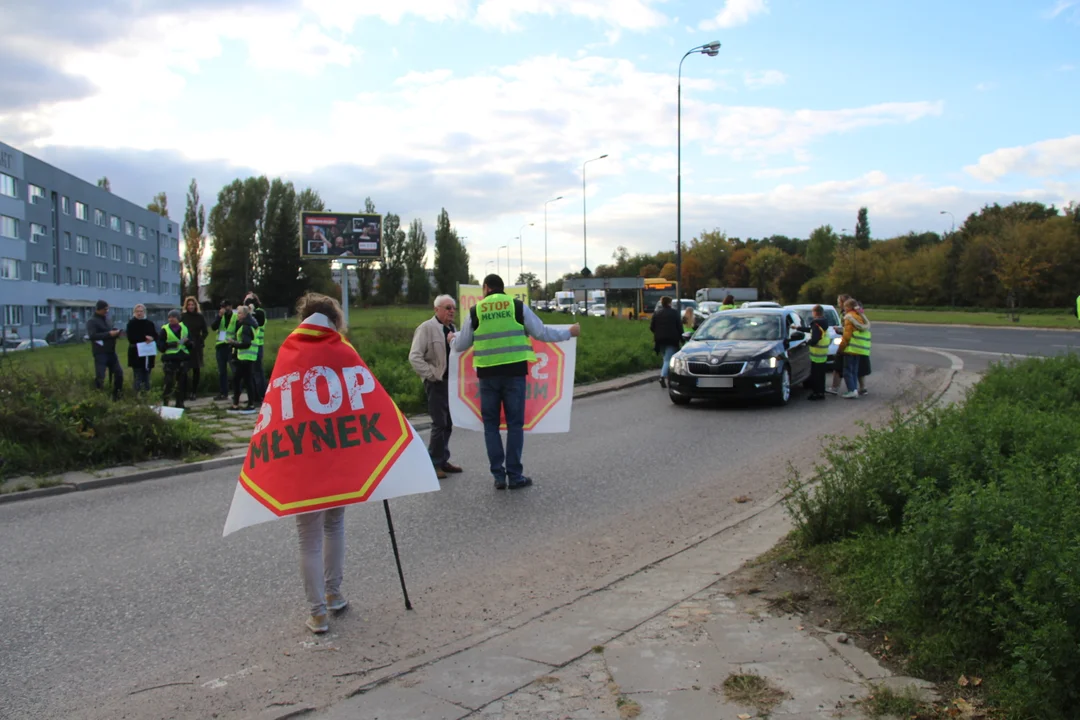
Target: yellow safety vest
[
  {"x": 499, "y": 338},
  {"x": 819, "y": 351},
  {"x": 170, "y": 337}
]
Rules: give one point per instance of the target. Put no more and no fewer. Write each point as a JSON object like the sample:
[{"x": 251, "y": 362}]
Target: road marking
[{"x": 948, "y": 351}]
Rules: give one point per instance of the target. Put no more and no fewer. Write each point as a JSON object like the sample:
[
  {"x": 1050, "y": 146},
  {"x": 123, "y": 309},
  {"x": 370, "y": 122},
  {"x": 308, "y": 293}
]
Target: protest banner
[
  {"x": 549, "y": 389},
  {"x": 327, "y": 435},
  {"x": 470, "y": 295}
]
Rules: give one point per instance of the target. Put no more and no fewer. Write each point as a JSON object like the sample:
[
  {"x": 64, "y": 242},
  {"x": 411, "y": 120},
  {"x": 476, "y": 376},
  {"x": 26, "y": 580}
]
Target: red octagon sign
[{"x": 543, "y": 384}]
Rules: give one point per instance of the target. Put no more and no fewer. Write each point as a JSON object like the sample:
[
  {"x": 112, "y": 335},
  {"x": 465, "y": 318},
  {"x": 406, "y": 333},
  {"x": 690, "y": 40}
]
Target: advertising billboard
[{"x": 334, "y": 235}]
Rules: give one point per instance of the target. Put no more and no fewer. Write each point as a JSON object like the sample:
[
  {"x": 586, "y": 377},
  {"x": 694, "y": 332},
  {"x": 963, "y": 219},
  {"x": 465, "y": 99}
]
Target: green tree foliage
[
  {"x": 821, "y": 249},
  {"x": 451, "y": 257},
  {"x": 103, "y": 183},
  {"x": 160, "y": 203},
  {"x": 392, "y": 272},
  {"x": 415, "y": 257},
  {"x": 236, "y": 224},
  {"x": 365, "y": 269},
  {"x": 766, "y": 267},
  {"x": 530, "y": 281},
  {"x": 193, "y": 231},
  {"x": 280, "y": 282},
  {"x": 862, "y": 230}
]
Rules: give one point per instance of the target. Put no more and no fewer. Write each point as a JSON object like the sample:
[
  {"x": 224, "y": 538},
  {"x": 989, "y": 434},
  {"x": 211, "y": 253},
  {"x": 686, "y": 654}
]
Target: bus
[{"x": 653, "y": 290}]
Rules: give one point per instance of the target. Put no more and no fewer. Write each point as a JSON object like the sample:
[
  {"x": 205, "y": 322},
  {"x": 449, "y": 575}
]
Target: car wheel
[
  {"x": 679, "y": 399},
  {"x": 782, "y": 393}
]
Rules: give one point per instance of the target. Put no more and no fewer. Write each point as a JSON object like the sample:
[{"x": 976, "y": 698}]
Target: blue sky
[{"x": 489, "y": 107}]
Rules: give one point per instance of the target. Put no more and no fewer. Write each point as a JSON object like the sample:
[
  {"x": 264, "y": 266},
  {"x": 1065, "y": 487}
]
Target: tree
[
  {"x": 451, "y": 257},
  {"x": 1019, "y": 268},
  {"x": 530, "y": 281},
  {"x": 414, "y": 257},
  {"x": 365, "y": 269},
  {"x": 862, "y": 230},
  {"x": 103, "y": 183},
  {"x": 236, "y": 224},
  {"x": 160, "y": 203},
  {"x": 736, "y": 273},
  {"x": 766, "y": 267},
  {"x": 668, "y": 271},
  {"x": 796, "y": 274},
  {"x": 821, "y": 248},
  {"x": 649, "y": 271},
  {"x": 194, "y": 232},
  {"x": 392, "y": 272},
  {"x": 711, "y": 251},
  {"x": 280, "y": 281}
]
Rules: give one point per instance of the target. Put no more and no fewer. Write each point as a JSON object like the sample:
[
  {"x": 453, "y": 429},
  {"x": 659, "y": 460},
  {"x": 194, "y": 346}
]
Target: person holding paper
[
  {"x": 140, "y": 331},
  {"x": 175, "y": 344},
  {"x": 103, "y": 346}
]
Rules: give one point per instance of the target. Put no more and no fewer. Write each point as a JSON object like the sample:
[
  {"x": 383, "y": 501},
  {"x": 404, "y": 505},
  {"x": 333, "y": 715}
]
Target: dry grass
[{"x": 753, "y": 691}]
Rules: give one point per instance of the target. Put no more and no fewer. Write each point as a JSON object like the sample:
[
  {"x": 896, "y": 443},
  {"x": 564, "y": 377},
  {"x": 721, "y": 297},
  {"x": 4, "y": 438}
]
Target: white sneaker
[
  {"x": 851, "y": 395},
  {"x": 831, "y": 391},
  {"x": 336, "y": 602}
]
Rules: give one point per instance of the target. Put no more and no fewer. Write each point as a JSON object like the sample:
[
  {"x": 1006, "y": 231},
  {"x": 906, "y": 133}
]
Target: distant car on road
[
  {"x": 806, "y": 314},
  {"x": 760, "y": 304},
  {"x": 709, "y": 307},
  {"x": 30, "y": 344},
  {"x": 597, "y": 310},
  {"x": 741, "y": 353}
]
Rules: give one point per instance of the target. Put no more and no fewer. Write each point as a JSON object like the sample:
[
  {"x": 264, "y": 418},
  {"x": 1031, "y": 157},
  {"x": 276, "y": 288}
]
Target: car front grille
[{"x": 729, "y": 368}]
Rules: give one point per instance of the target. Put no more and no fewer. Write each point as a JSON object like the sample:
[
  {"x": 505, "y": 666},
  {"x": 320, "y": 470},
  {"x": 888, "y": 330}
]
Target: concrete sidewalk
[{"x": 657, "y": 645}]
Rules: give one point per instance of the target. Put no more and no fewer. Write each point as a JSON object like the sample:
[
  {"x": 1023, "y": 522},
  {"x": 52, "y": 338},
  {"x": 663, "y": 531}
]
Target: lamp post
[
  {"x": 946, "y": 212},
  {"x": 584, "y": 225},
  {"x": 521, "y": 251},
  {"x": 502, "y": 247},
  {"x": 545, "y": 245},
  {"x": 712, "y": 50}
]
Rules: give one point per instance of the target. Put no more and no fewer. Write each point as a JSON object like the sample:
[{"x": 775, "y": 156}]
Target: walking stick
[{"x": 397, "y": 557}]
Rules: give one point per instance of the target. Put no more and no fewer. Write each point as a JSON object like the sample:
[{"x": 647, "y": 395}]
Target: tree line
[{"x": 1025, "y": 254}]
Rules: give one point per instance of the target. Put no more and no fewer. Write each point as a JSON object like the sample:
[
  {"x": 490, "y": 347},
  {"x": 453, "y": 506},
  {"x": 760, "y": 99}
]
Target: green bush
[
  {"x": 958, "y": 535},
  {"x": 52, "y": 423}
]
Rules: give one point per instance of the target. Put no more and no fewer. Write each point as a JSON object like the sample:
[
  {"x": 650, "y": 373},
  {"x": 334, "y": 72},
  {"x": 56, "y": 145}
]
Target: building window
[
  {"x": 42, "y": 313},
  {"x": 13, "y": 314},
  {"x": 142, "y": 233},
  {"x": 142, "y": 259},
  {"x": 131, "y": 256},
  {"x": 114, "y": 223},
  {"x": 38, "y": 271},
  {"x": 129, "y": 227},
  {"x": 35, "y": 194},
  {"x": 117, "y": 281},
  {"x": 102, "y": 280},
  {"x": 84, "y": 278},
  {"x": 80, "y": 210},
  {"x": 99, "y": 217},
  {"x": 65, "y": 205},
  {"x": 9, "y": 227},
  {"x": 101, "y": 248},
  {"x": 9, "y": 269},
  {"x": 67, "y": 275},
  {"x": 67, "y": 241},
  {"x": 82, "y": 244},
  {"x": 153, "y": 259},
  {"x": 117, "y": 253},
  {"x": 150, "y": 285},
  {"x": 8, "y": 186},
  {"x": 37, "y": 232},
  {"x": 131, "y": 283},
  {"x": 142, "y": 284}
]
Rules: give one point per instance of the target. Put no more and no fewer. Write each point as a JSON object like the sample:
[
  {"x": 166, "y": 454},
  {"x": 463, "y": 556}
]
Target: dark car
[{"x": 741, "y": 353}]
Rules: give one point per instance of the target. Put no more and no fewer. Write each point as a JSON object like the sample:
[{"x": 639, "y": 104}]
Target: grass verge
[
  {"x": 989, "y": 319},
  {"x": 752, "y": 690},
  {"x": 956, "y": 537}
]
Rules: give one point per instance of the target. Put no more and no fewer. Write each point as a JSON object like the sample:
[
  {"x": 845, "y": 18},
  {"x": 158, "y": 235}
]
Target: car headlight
[
  {"x": 678, "y": 364},
  {"x": 765, "y": 365}
]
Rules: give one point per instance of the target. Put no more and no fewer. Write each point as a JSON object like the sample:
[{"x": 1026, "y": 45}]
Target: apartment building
[{"x": 66, "y": 243}]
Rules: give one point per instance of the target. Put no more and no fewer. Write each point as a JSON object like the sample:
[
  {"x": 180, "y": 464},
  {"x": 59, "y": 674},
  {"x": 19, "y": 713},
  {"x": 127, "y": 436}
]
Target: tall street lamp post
[
  {"x": 584, "y": 224},
  {"x": 545, "y": 244},
  {"x": 502, "y": 247},
  {"x": 712, "y": 50},
  {"x": 521, "y": 250},
  {"x": 946, "y": 212}
]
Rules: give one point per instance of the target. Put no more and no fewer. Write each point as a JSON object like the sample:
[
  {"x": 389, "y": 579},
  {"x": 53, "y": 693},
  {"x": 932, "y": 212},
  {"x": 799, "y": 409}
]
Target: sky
[{"x": 489, "y": 108}]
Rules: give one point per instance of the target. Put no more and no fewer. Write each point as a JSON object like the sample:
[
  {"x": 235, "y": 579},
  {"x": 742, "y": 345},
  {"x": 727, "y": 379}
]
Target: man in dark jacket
[
  {"x": 193, "y": 320},
  {"x": 819, "y": 351},
  {"x": 103, "y": 346},
  {"x": 666, "y": 327}
]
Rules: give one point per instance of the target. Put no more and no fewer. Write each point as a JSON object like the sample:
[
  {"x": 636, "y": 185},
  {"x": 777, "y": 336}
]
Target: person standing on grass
[
  {"x": 500, "y": 326},
  {"x": 140, "y": 330},
  {"x": 838, "y": 358},
  {"x": 224, "y": 326},
  {"x": 175, "y": 345},
  {"x": 103, "y": 347},
  {"x": 246, "y": 355},
  {"x": 855, "y": 343},
  {"x": 192, "y": 318},
  {"x": 666, "y": 327},
  {"x": 430, "y": 358},
  {"x": 259, "y": 371}
]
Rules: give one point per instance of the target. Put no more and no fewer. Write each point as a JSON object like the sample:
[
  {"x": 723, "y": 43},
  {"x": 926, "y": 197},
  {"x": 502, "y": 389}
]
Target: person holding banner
[
  {"x": 429, "y": 357},
  {"x": 500, "y": 327}
]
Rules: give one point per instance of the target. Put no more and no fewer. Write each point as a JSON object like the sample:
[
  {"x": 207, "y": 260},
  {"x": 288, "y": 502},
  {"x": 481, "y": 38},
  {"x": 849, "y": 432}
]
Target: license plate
[{"x": 715, "y": 382}]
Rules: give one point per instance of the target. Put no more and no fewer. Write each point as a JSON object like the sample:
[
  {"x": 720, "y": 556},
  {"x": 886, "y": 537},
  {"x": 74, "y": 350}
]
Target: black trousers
[
  {"x": 817, "y": 378},
  {"x": 175, "y": 378},
  {"x": 243, "y": 375},
  {"x": 438, "y": 403}
]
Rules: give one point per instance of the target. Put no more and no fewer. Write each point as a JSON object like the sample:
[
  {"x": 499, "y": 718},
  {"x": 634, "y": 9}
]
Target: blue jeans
[
  {"x": 498, "y": 394},
  {"x": 669, "y": 351},
  {"x": 224, "y": 355},
  {"x": 851, "y": 372}
]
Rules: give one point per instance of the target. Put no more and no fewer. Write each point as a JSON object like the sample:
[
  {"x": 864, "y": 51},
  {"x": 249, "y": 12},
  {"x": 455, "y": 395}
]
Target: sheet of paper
[
  {"x": 221, "y": 336},
  {"x": 100, "y": 342},
  {"x": 146, "y": 349}
]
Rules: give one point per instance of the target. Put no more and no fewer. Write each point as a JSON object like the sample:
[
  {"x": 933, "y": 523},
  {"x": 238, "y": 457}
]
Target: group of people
[{"x": 180, "y": 342}]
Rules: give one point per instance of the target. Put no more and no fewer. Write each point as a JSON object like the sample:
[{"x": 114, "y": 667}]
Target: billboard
[{"x": 332, "y": 235}]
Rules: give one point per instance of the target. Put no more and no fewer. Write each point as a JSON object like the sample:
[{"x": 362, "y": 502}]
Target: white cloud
[
  {"x": 1060, "y": 7},
  {"x": 735, "y": 13},
  {"x": 625, "y": 14},
  {"x": 763, "y": 78},
  {"x": 781, "y": 171},
  {"x": 1047, "y": 158},
  {"x": 344, "y": 13}
]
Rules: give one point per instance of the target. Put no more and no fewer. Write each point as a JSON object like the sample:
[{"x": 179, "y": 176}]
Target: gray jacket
[{"x": 98, "y": 328}]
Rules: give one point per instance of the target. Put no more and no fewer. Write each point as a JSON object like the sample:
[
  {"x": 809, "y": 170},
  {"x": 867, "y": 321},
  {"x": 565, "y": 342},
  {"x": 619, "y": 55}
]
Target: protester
[
  {"x": 246, "y": 355},
  {"x": 225, "y": 327},
  {"x": 688, "y": 324},
  {"x": 193, "y": 320},
  {"x": 140, "y": 330},
  {"x": 429, "y": 357},
  {"x": 258, "y": 370},
  {"x": 838, "y": 358},
  {"x": 501, "y": 326},
  {"x": 103, "y": 347},
  {"x": 819, "y": 352},
  {"x": 667, "y": 332},
  {"x": 855, "y": 343},
  {"x": 863, "y": 323},
  {"x": 729, "y": 302},
  {"x": 175, "y": 344},
  {"x": 322, "y": 533}
]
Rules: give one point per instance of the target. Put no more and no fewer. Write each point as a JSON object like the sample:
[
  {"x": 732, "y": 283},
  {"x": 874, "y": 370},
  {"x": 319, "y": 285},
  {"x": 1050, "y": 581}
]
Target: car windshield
[
  {"x": 807, "y": 315},
  {"x": 729, "y": 326}
]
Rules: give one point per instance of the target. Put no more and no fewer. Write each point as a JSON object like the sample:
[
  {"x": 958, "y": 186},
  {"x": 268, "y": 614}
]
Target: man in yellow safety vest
[{"x": 175, "y": 345}]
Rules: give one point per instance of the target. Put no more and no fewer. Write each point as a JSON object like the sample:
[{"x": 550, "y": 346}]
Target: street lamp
[
  {"x": 946, "y": 212},
  {"x": 521, "y": 251},
  {"x": 712, "y": 50},
  {"x": 545, "y": 244},
  {"x": 502, "y": 247},
  {"x": 584, "y": 226}
]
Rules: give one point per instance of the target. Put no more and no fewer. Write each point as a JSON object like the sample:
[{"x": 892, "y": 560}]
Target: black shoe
[
  {"x": 191, "y": 396},
  {"x": 521, "y": 482},
  {"x": 500, "y": 483},
  {"x": 663, "y": 383},
  {"x": 221, "y": 397}
]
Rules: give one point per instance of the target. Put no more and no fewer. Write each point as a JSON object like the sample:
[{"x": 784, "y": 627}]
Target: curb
[
  {"x": 589, "y": 390},
  {"x": 1028, "y": 328}
]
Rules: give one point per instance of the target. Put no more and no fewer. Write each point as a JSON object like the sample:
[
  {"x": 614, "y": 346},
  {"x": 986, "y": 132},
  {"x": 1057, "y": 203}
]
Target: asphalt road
[{"x": 1015, "y": 341}]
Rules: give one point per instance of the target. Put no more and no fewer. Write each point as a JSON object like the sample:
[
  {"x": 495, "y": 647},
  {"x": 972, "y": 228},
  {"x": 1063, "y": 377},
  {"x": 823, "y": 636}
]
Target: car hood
[{"x": 732, "y": 350}]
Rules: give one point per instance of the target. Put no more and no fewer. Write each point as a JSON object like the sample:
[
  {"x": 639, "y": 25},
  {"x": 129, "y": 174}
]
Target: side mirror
[
  {"x": 797, "y": 335},
  {"x": 686, "y": 336}
]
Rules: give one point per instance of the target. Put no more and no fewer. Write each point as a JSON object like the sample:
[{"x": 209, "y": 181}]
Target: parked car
[
  {"x": 741, "y": 353},
  {"x": 34, "y": 344},
  {"x": 11, "y": 338},
  {"x": 59, "y": 336},
  {"x": 708, "y": 307},
  {"x": 597, "y": 310},
  {"x": 806, "y": 314},
  {"x": 581, "y": 308}
]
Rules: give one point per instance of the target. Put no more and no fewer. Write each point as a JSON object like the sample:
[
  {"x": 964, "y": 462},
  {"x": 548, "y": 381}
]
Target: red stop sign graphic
[{"x": 543, "y": 383}]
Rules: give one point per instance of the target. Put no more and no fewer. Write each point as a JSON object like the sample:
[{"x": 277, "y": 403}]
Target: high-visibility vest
[
  {"x": 230, "y": 330},
  {"x": 260, "y": 336},
  {"x": 250, "y": 353},
  {"x": 728, "y": 307},
  {"x": 499, "y": 338},
  {"x": 170, "y": 337},
  {"x": 819, "y": 351},
  {"x": 859, "y": 344}
]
